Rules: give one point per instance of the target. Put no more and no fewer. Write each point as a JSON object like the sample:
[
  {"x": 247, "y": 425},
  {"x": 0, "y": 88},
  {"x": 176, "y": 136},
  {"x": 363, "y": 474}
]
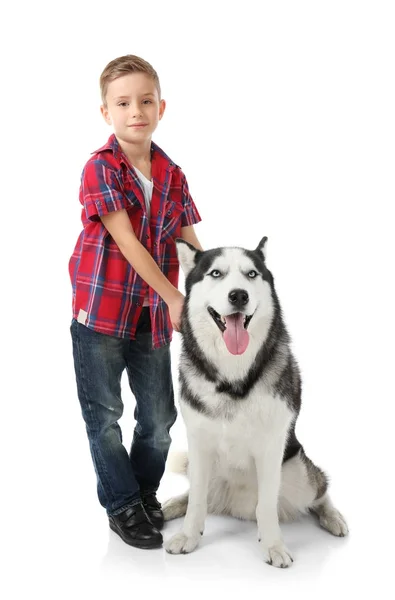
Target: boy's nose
[{"x": 136, "y": 111}]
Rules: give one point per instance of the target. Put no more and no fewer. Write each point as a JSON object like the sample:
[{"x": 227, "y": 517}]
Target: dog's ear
[
  {"x": 186, "y": 255},
  {"x": 262, "y": 247}
]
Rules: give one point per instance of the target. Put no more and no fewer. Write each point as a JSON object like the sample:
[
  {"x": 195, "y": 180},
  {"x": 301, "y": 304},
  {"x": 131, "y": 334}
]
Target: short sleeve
[
  {"x": 190, "y": 214},
  {"x": 101, "y": 191}
]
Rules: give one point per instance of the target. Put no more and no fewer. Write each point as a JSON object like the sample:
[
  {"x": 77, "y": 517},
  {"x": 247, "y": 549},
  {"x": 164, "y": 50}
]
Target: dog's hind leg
[
  {"x": 304, "y": 488},
  {"x": 297, "y": 490},
  {"x": 329, "y": 517},
  {"x": 175, "y": 507}
]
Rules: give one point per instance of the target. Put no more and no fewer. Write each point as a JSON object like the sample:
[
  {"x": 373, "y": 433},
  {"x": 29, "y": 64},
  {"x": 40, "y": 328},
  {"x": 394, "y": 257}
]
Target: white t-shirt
[
  {"x": 147, "y": 186},
  {"x": 147, "y": 189}
]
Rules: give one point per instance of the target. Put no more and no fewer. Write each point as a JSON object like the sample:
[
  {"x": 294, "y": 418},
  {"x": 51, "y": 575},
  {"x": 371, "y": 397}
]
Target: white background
[{"x": 281, "y": 114}]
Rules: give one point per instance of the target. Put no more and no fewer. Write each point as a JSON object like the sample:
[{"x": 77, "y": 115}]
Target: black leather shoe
[
  {"x": 153, "y": 509},
  {"x": 135, "y": 528}
]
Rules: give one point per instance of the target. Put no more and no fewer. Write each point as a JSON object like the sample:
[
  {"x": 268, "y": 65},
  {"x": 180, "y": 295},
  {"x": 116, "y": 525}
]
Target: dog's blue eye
[
  {"x": 215, "y": 273},
  {"x": 252, "y": 274}
]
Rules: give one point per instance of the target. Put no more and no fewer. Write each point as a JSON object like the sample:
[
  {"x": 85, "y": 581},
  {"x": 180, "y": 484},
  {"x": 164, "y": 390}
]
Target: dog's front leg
[
  {"x": 268, "y": 463},
  {"x": 199, "y": 454}
]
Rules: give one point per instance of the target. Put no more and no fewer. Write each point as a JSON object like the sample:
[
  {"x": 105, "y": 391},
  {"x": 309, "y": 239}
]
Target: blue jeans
[{"x": 99, "y": 360}]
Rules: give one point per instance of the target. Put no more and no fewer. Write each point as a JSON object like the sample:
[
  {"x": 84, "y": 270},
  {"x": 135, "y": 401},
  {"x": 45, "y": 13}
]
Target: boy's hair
[{"x": 122, "y": 66}]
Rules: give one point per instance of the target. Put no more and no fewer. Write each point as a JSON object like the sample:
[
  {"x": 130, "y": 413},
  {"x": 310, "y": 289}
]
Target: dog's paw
[
  {"x": 278, "y": 556},
  {"x": 182, "y": 544},
  {"x": 334, "y": 522}
]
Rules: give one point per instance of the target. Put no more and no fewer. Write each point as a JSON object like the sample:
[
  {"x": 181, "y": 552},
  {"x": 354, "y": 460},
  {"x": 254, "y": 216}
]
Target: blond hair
[{"x": 122, "y": 66}]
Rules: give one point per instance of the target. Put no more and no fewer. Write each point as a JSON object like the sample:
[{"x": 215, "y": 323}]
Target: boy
[{"x": 124, "y": 273}]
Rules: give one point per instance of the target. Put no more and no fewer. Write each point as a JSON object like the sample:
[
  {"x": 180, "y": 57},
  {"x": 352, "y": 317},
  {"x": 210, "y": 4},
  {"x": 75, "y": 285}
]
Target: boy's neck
[{"x": 137, "y": 154}]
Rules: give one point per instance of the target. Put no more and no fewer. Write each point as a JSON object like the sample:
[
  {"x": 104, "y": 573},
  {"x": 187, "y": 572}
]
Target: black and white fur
[{"x": 240, "y": 410}]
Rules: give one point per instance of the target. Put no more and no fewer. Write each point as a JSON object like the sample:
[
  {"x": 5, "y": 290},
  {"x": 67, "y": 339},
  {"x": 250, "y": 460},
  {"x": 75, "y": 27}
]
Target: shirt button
[
  {"x": 147, "y": 236},
  {"x": 159, "y": 212},
  {"x": 155, "y": 244},
  {"x": 138, "y": 304}
]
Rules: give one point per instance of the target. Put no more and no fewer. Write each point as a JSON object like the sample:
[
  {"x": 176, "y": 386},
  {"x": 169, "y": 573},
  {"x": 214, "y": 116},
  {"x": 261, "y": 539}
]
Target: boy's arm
[
  {"x": 120, "y": 228},
  {"x": 188, "y": 234}
]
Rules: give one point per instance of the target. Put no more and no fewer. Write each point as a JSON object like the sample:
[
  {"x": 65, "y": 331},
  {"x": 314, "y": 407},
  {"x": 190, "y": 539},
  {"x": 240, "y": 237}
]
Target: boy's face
[{"x": 133, "y": 107}]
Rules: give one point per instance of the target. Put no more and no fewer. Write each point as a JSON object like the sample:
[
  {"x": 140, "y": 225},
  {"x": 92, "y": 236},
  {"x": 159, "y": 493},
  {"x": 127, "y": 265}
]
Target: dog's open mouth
[{"x": 234, "y": 330}]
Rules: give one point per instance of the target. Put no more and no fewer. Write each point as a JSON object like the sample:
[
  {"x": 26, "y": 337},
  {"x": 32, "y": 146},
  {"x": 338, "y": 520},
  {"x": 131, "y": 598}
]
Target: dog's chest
[
  {"x": 233, "y": 443},
  {"x": 237, "y": 429}
]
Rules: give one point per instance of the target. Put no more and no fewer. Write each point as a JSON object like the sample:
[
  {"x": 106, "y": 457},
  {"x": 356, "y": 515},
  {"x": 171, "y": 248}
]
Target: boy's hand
[{"x": 175, "y": 310}]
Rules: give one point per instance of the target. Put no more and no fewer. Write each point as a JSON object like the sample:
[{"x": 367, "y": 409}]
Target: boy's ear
[
  {"x": 262, "y": 248},
  {"x": 106, "y": 114},
  {"x": 186, "y": 255},
  {"x": 162, "y": 107}
]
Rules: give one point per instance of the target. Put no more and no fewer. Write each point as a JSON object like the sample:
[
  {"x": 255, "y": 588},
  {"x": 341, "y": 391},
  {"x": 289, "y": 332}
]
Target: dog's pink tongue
[{"x": 235, "y": 336}]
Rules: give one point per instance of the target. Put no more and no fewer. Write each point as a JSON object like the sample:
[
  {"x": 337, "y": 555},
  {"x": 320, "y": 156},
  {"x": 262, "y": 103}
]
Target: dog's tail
[{"x": 177, "y": 462}]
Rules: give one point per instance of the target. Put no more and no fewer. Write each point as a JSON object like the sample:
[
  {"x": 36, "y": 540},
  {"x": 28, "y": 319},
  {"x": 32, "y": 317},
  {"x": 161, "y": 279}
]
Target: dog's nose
[{"x": 238, "y": 298}]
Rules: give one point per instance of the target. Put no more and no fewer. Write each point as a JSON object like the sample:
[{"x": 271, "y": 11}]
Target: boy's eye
[
  {"x": 123, "y": 104},
  {"x": 215, "y": 273},
  {"x": 147, "y": 101}
]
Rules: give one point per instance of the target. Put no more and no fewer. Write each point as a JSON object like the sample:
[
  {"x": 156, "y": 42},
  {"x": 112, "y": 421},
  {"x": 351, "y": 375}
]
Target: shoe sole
[{"x": 141, "y": 544}]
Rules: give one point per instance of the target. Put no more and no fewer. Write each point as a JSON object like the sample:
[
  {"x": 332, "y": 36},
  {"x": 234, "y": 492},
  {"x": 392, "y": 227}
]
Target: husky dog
[{"x": 240, "y": 396}]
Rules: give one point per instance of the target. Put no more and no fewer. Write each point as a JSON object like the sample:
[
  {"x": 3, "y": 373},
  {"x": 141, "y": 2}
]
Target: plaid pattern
[{"x": 105, "y": 285}]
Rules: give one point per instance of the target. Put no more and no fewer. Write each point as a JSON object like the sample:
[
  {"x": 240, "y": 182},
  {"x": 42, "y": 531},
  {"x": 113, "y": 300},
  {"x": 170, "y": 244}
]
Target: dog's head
[{"x": 228, "y": 290}]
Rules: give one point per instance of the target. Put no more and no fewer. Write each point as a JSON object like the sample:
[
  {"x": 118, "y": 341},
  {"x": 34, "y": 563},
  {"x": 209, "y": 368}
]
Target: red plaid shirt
[{"x": 105, "y": 285}]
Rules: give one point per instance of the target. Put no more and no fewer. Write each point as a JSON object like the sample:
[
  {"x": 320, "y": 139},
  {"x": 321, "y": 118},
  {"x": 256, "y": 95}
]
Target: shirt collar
[{"x": 113, "y": 146}]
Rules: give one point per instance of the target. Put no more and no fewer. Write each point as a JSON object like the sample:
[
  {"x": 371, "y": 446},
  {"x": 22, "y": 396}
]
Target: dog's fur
[{"x": 240, "y": 403}]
